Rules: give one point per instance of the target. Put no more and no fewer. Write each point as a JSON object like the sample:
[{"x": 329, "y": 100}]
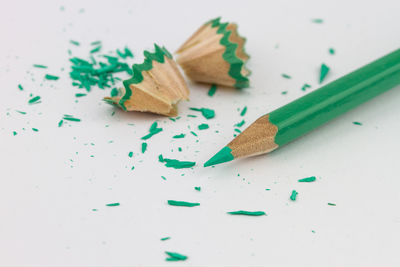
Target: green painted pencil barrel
[{"x": 310, "y": 111}]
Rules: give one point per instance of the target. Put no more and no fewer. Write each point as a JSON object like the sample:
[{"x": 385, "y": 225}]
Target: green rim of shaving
[
  {"x": 158, "y": 56},
  {"x": 236, "y": 64}
]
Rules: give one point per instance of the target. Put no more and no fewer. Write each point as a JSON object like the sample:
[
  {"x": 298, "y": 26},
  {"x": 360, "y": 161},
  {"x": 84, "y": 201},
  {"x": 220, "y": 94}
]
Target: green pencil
[{"x": 303, "y": 115}]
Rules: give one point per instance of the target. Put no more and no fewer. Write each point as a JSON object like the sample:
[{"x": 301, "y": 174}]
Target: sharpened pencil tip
[{"x": 224, "y": 155}]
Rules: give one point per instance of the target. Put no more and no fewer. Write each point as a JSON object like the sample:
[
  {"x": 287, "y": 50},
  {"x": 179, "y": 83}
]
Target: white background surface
[{"x": 48, "y": 191}]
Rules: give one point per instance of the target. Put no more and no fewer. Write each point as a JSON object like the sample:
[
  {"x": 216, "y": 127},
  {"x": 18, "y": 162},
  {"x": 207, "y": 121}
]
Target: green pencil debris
[
  {"x": 14, "y": 133},
  {"x": 176, "y": 164},
  {"x": 197, "y": 188},
  {"x": 70, "y": 118},
  {"x": 305, "y": 86},
  {"x": 173, "y": 256},
  {"x": 179, "y": 136},
  {"x": 21, "y": 112},
  {"x": 193, "y": 133},
  {"x": 240, "y": 124},
  {"x": 74, "y": 42},
  {"x": 286, "y": 76},
  {"x": 95, "y": 43},
  {"x": 60, "y": 123},
  {"x": 293, "y": 196},
  {"x": 331, "y": 51},
  {"x": 331, "y": 204},
  {"x": 125, "y": 54},
  {"x": 39, "y": 66},
  {"x": 182, "y": 203},
  {"x": 206, "y": 112},
  {"x": 34, "y": 100},
  {"x": 165, "y": 238},
  {"x": 203, "y": 126},
  {"x": 144, "y": 147},
  {"x": 96, "y": 49},
  {"x": 243, "y": 112},
  {"x": 212, "y": 90},
  {"x": 112, "y": 204},
  {"x": 248, "y": 213},
  {"x": 307, "y": 180},
  {"x": 20, "y": 87},
  {"x": 163, "y": 177},
  {"x": 317, "y": 21},
  {"x": 130, "y": 154},
  {"x": 51, "y": 77},
  {"x": 79, "y": 95},
  {"x": 114, "y": 92},
  {"x": 152, "y": 131},
  {"x": 284, "y": 92},
  {"x": 324, "y": 71},
  {"x": 35, "y": 130},
  {"x": 357, "y": 123}
]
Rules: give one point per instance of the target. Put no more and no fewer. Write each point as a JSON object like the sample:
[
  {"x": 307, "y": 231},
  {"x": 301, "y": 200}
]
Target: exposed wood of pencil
[{"x": 301, "y": 116}]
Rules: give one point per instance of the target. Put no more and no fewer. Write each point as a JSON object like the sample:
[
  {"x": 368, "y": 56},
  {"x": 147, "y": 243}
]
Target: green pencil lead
[
  {"x": 331, "y": 204},
  {"x": 51, "y": 77},
  {"x": 165, "y": 238},
  {"x": 173, "y": 256},
  {"x": 224, "y": 155},
  {"x": 114, "y": 92},
  {"x": 240, "y": 124},
  {"x": 34, "y": 100},
  {"x": 179, "y": 136},
  {"x": 206, "y": 112},
  {"x": 193, "y": 133},
  {"x": 243, "y": 112},
  {"x": 324, "y": 71},
  {"x": 35, "y": 130},
  {"x": 144, "y": 147},
  {"x": 20, "y": 87},
  {"x": 21, "y": 112},
  {"x": 357, "y": 123},
  {"x": 286, "y": 76},
  {"x": 203, "y": 126},
  {"x": 176, "y": 164},
  {"x": 197, "y": 188},
  {"x": 130, "y": 154},
  {"x": 182, "y": 203},
  {"x": 39, "y": 66},
  {"x": 212, "y": 90},
  {"x": 192, "y": 116},
  {"x": 113, "y": 204},
  {"x": 293, "y": 196},
  {"x": 60, "y": 123},
  {"x": 14, "y": 133},
  {"x": 248, "y": 213},
  {"x": 305, "y": 86},
  {"x": 307, "y": 180},
  {"x": 163, "y": 177}
]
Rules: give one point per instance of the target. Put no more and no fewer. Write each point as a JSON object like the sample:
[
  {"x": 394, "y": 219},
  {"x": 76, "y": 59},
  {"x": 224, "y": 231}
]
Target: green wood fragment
[
  {"x": 173, "y": 256},
  {"x": 212, "y": 90},
  {"x": 165, "y": 238},
  {"x": 130, "y": 154},
  {"x": 332, "y": 51},
  {"x": 324, "y": 71},
  {"x": 243, "y": 112},
  {"x": 305, "y": 86},
  {"x": 176, "y": 164},
  {"x": 20, "y": 87},
  {"x": 331, "y": 204},
  {"x": 317, "y": 21},
  {"x": 357, "y": 123},
  {"x": 35, "y": 130},
  {"x": 307, "y": 180},
  {"x": 96, "y": 49},
  {"x": 182, "y": 203},
  {"x": 248, "y": 213},
  {"x": 40, "y": 66},
  {"x": 198, "y": 188},
  {"x": 34, "y": 100},
  {"x": 51, "y": 77},
  {"x": 113, "y": 204},
  {"x": 179, "y": 136},
  {"x": 144, "y": 147},
  {"x": 74, "y": 42},
  {"x": 240, "y": 124},
  {"x": 79, "y": 95},
  {"x": 21, "y": 112},
  {"x": 193, "y": 133},
  {"x": 293, "y": 196},
  {"x": 206, "y": 112},
  {"x": 203, "y": 126},
  {"x": 15, "y": 133},
  {"x": 60, "y": 123},
  {"x": 286, "y": 76}
]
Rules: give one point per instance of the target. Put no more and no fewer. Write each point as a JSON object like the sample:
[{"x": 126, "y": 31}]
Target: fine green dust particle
[
  {"x": 286, "y": 76},
  {"x": 20, "y": 87},
  {"x": 357, "y": 123},
  {"x": 165, "y": 238},
  {"x": 307, "y": 180},
  {"x": 248, "y": 213},
  {"x": 179, "y": 149},
  {"x": 179, "y": 136},
  {"x": 51, "y": 77},
  {"x": 331, "y": 51},
  {"x": 317, "y": 21},
  {"x": 182, "y": 203},
  {"x": 35, "y": 130},
  {"x": 112, "y": 204},
  {"x": 173, "y": 256},
  {"x": 323, "y": 72},
  {"x": 293, "y": 196},
  {"x": 203, "y": 126},
  {"x": 267, "y": 189},
  {"x": 74, "y": 42},
  {"x": 331, "y": 204},
  {"x": 305, "y": 86},
  {"x": 198, "y": 188},
  {"x": 212, "y": 90},
  {"x": 163, "y": 177},
  {"x": 206, "y": 112},
  {"x": 39, "y": 66},
  {"x": 34, "y": 100},
  {"x": 130, "y": 154},
  {"x": 243, "y": 112},
  {"x": 144, "y": 147}
]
